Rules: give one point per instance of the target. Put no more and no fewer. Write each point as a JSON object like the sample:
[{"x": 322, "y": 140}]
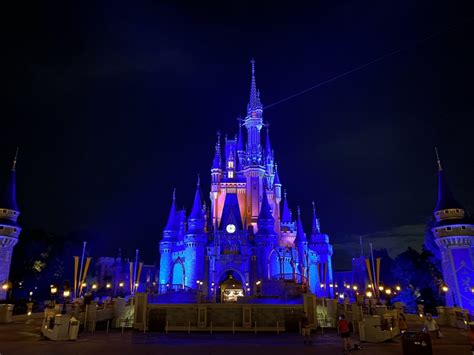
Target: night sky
[{"x": 112, "y": 106}]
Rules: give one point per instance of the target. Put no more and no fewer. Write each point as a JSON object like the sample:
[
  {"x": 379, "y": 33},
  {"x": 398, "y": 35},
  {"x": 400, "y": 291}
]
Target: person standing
[
  {"x": 402, "y": 323},
  {"x": 431, "y": 326},
  {"x": 344, "y": 331}
]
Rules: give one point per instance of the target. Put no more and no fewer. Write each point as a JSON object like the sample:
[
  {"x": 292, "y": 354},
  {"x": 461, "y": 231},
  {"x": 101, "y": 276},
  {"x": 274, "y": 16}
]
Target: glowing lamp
[
  {"x": 369, "y": 294},
  {"x": 94, "y": 286},
  {"x": 31, "y": 293},
  {"x": 398, "y": 288},
  {"x": 444, "y": 288},
  {"x": 108, "y": 285},
  {"x": 258, "y": 282},
  {"x": 120, "y": 284},
  {"x": 322, "y": 285},
  {"x": 248, "y": 289},
  {"x": 341, "y": 296},
  {"x": 355, "y": 287},
  {"x": 5, "y": 287},
  {"x": 472, "y": 289},
  {"x": 388, "y": 291},
  {"x": 348, "y": 286},
  {"x": 331, "y": 285},
  {"x": 380, "y": 288},
  {"x": 54, "y": 290},
  {"x": 66, "y": 293},
  {"x": 136, "y": 284},
  {"x": 84, "y": 284}
]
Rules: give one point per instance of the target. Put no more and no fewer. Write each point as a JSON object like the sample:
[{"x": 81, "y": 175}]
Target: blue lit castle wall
[
  {"x": 9, "y": 229},
  {"x": 454, "y": 235},
  {"x": 241, "y": 241}
]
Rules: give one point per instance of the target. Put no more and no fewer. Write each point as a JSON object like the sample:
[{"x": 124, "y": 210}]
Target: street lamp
[
  {"x": 120, "y": 284},
  {"x": 94, "y": 286},
  {"x": 444, "y": 288},
  {"x": 388, "y": 291},
  {"x": 398, "y": 288},
  {"x": 369, "y": 294}
]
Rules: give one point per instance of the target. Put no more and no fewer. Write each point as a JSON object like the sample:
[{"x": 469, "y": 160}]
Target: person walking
[
  {"x": 431, "y": 326},
  {"x": 402, "y": 323},
  {"x": 306, "y": 330},
  {"x": 344, "y": 331}
]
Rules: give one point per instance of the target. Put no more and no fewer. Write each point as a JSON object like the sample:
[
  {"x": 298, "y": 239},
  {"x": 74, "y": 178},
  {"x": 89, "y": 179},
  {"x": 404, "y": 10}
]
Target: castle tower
[
  {"x": 9, "y": 228},
  {"x": 255, "y": 170},
  {"x": 194, "y": 242},
  {"x": 319, "y": 244},
  {"x": 454, "y": 235},
  {"x": 266, "y": 239},
  {"x": 301, "y": 244},
  {"x": 167, "y": 245}
]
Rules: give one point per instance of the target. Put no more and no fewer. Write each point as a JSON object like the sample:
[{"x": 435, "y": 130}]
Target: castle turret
[
  {"x": 454, "y": 235},
  {"x": 194, "y": 242},
  {"x": 319, "y": 244},
  {"x": 301, "y": 244},
  {"x": 9, "y": 228},
  {"x": 167, "y": 243},
  {"x": 266, "y": 239}
]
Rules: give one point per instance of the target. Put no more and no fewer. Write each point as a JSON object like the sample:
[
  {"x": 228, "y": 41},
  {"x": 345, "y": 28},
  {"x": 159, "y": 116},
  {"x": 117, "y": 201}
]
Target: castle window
[
  {"x": 463, "y": 227},
  {"x": 230, "y": 164},
  {"x": 448, "y": 228},
  {"x": 231, "y": 174}
]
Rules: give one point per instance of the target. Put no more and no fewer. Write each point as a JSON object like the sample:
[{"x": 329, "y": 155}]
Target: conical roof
[
  {"x": 171, "y": 224},
  {"x": 286, "y": 215},
  {"x": 265, "y": 210},
  {"x": 196, "y": 212},
  {"x": 446, "y": 199},
  {"x": 300, "y": 235}
]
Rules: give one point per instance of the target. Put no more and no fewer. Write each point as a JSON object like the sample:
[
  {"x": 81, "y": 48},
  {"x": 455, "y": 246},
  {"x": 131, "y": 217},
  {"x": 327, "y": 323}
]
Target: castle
[
  {"x": 242, "y": 245},
  {"x": 9, "y": 229},
  {"x": 454, "y": 235}
]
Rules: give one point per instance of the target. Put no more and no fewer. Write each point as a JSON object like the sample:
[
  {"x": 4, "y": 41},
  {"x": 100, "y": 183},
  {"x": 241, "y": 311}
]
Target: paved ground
[{"x": 22, "y": 337}]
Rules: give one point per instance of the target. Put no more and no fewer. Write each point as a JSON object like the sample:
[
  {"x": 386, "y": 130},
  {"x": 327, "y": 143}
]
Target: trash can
[
  {"x": 73, "y": 328},
  {"x": 418, "y": 343},
  {"x": 6, "y": 312}
]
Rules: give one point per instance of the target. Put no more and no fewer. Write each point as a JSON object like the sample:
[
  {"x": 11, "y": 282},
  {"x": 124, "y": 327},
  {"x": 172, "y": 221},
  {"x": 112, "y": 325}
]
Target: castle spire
[
  {"x": 8, "y": 200},
  {"x": 254, "y": 100},
  {"x": 268, "y": 148},
  {"x": 277, "y": 177},
  {"x": 216, "y": 164},
  {"x": 196, "y": 212},
  {"x": 265, "y": 210},
  {"x": 286, "y": 215},
  {"x": 316, "y": 228},
  {"x": 300, "y": 236},
  {"x": 240, "y": 139},
  {"x": 446, "y": 199},
  {"x": 171, "y": 224}
]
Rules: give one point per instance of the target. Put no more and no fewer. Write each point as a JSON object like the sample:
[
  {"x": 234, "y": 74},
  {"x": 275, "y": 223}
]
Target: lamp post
[
  {"x": 66, "y": 295},
  {"x": 53, "y": 290}
]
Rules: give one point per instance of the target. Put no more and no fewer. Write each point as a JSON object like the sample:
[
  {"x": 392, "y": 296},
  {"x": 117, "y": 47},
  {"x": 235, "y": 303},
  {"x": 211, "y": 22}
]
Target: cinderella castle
[{"x": 247, "y": 243}]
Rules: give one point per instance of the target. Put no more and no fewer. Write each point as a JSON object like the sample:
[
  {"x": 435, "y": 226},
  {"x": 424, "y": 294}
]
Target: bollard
[
  {"x": 123, "y": 325},
  {"x": 189, "y": 327},
  {"x": 107, "y": 330},
  {"x": 233, "y": 327},
  {"x": 255, "y": 327},
  {"x": 85, "y": 316},
  {"x": 211, "y": 327}
]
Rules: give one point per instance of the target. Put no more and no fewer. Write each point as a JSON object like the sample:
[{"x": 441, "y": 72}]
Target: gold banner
[
  {"x": 76, "y": 267},
  {"x": 137, "y": 281},
  {"x": 131, "y": 277},
  {"x": 378, "y": 270},
  {"x": 369, "y": 271},
  {"x": 84, "y": 275}
]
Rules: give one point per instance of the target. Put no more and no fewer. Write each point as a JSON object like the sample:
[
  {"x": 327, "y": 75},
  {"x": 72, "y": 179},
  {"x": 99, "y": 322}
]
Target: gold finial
[
  {"x": 15, "y": 159},
  {"x": 438, "y": 160}
]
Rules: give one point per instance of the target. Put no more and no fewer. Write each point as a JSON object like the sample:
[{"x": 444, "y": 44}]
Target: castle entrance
[{"x": 231, "y": 287}]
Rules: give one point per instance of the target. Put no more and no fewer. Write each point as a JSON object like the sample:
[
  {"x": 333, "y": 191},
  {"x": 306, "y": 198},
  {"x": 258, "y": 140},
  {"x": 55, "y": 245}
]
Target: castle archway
[
  {"x": 178, "y": 275},
  {"x": 231, "y": 286}
]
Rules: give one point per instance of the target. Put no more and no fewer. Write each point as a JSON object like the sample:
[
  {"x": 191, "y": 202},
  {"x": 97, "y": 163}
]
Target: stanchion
[
  {"x": 211, "y": 327},
  {"x": 255, "y": 327}
]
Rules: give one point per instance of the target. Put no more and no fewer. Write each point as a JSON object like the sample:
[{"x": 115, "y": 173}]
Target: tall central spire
[{"x": 254, "y": 100}]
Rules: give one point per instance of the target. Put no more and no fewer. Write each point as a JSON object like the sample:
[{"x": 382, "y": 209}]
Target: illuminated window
[
  {"x": 231, "y": 164},
  {"x": 231, "y": 174}
]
